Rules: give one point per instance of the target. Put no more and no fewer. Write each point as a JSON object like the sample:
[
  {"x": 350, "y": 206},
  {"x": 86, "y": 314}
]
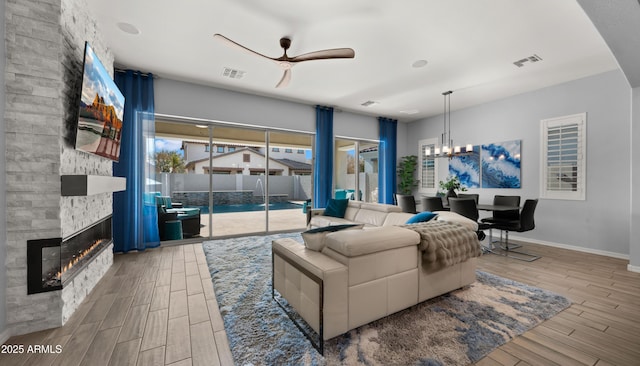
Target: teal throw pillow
[
  {"x": 336, "y": 208},
  {"x": 421, "y": 217}
]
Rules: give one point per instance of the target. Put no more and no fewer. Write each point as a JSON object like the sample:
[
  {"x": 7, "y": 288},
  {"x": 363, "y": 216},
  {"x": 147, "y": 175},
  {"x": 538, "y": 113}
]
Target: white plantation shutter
[
  {"x": 563, "y": 157},
  {"x": 427, "y": 167}
]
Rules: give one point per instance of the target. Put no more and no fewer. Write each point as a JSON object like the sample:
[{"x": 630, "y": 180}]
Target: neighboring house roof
[
  {"x": 369, "y": 149},
  {"x": 295, "y": 165},
  {"x": 204, "y": 143},
  {"x": 287, "y": 162}
]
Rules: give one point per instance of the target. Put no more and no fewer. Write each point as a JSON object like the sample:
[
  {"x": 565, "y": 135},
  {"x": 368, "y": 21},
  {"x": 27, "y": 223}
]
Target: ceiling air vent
[
  {"x": 532, "y": 59},
  {"x": 232, "y": 73},
  {"x": 369, "y": 103}
]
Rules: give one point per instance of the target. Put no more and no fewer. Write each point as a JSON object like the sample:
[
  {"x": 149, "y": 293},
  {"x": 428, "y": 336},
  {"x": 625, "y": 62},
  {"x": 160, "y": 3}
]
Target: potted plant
[
  {"x": 406, "y": 174},
  {"x": 450, "y": 186}
]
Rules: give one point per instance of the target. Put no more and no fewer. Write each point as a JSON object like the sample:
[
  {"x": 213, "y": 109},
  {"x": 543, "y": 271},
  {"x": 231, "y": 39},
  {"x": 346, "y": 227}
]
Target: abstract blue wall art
[
  {"x": 467, "y": 168},
  {"x": 501, "y": 165}
]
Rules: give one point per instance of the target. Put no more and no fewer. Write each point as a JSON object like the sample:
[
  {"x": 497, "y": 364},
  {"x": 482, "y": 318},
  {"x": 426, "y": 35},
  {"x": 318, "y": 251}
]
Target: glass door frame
[
  {"x": 356, "y": 146},
  {"x": 211, "y": 125}
]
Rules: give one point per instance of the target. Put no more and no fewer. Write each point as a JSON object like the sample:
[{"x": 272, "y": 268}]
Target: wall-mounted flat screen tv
[{"x": 101, "y": 112}]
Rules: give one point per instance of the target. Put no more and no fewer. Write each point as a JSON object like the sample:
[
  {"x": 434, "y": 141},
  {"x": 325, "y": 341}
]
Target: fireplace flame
[{"x": 77, "y": 258}]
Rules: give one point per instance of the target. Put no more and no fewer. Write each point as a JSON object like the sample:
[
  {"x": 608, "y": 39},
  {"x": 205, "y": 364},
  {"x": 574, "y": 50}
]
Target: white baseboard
[
  {"x": 631, "y": 268},
  {"x": 4, "y": 336},
  {"x": 571, "y": 247}
]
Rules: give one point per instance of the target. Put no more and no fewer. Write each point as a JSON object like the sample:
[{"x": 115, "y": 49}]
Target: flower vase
[{"x": 450, "y": 193}]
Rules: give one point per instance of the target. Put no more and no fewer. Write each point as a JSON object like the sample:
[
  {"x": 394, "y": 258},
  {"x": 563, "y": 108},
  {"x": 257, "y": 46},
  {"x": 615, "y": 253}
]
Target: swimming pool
[{"x": 250, "y": 207}]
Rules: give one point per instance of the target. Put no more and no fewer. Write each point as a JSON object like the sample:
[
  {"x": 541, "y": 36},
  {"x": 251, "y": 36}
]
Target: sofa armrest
[
  {"x": 292, "y": 264},
  {"x": 316, "y": 211},
  {"x": 311, "y": 212}
]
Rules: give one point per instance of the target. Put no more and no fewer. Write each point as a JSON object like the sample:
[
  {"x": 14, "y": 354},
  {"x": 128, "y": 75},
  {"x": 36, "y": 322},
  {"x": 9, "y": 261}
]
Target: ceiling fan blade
[
  {"x": 231, "y": 43},
  {"x": 286, "y": 77},
  {"x": 325, "y": 54}
]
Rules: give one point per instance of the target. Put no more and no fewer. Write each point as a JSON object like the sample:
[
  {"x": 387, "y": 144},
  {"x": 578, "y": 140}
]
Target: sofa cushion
[
  {"x": 396, "y": 218},
  {"x": 382, "y": 207},
  {"x": 352, "y": 209},
  {"x": 421, "y": 217},
  {"x": 375, "y": 213},
  {"x": 314, "y": 239},
  {"x": 353, "y": 243},
  {"x": 336, "y": 208}
]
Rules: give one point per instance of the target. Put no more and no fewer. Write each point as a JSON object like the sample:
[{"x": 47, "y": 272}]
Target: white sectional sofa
[
  {"x": 376, "y": 214},
  {"x": 364, "y": 275}
]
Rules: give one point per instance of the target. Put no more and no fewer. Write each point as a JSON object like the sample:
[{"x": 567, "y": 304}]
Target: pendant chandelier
[{"x": 446, "y": 149}]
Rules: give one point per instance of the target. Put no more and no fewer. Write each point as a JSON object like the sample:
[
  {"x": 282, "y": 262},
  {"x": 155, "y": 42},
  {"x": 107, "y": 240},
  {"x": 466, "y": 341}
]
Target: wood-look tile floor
[
  {"x": 151, "y": 308},
  {"x": 158, "y": 308},
  {"x": 601, "y": 327}
]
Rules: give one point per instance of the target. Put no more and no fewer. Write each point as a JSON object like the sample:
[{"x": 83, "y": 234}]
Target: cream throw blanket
[{"x": 444, "y": 243}]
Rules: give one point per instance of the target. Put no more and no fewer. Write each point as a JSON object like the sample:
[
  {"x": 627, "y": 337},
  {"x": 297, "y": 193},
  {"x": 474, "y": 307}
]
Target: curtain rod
[{"x": 117, "y": 69}]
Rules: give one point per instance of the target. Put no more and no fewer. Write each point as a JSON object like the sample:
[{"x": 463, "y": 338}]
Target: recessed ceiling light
[
  {"x": 410, "y": 111},
  {"x": 128, "y": 28},
  {"x": 419, "y": 64}
]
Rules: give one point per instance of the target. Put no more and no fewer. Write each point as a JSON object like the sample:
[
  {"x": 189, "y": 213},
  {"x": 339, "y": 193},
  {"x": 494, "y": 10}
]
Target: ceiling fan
[{"x": 285, "y": 62}]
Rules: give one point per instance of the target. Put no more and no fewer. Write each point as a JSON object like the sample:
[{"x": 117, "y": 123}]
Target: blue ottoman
[{"x": 173, "y": 230}]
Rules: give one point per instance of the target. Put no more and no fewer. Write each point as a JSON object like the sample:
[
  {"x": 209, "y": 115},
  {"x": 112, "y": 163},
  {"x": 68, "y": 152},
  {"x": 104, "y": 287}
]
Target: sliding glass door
[
  {"x": 238, "y": 168},
  {"x": 356, "y": 165},
  {"x": 182, "y": 191},
  {"x": 228, "y": 181},
  {"x": 290, "y": 179}
]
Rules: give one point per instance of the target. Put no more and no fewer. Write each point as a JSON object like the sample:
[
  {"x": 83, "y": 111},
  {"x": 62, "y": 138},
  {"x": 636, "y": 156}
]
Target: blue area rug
[{"x": 454, "y": 329}]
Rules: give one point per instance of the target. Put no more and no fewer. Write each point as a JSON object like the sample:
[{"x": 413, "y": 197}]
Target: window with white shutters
[
  {"x": 563, "y": 157},
  {"x": 427, "y": 167}
]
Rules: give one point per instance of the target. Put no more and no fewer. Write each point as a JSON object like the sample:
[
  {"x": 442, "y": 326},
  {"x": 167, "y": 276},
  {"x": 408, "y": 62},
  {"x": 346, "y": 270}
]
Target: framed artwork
[
  {"x": 467, "y": 168},
  {"x": 501, "y": 164}
]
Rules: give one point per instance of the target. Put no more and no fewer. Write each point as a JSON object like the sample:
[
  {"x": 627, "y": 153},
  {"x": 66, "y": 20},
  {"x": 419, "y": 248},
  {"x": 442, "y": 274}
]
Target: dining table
[{"x": 490, "y": 207}]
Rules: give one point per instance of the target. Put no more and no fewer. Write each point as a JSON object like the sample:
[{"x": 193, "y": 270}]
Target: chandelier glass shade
[{"x": 447, "y": 149}]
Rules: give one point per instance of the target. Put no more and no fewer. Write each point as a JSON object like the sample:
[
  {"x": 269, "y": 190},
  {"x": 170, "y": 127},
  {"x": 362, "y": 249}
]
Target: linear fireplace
[{"x": 51, "y": 263}]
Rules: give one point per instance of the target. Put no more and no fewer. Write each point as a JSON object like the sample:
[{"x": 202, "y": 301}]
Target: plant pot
[{"x": 450, "y": 193}]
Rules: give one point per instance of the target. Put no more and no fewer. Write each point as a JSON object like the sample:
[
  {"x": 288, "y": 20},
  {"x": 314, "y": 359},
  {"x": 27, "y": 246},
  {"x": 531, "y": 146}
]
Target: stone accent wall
[
  {"x": 76, "y": 290},
  {"x": 44, "y": 47},
  {"x": 78, "y": 26}
]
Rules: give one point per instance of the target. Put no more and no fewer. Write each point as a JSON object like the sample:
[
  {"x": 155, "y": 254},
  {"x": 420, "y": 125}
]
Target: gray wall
[
  {"x": 635, "y": 186},
  {"x": 3, "y": 201},
  {"x": 196, "y": 101},
  {"x": 348, "y": 124},
  {"x": 618, "y": 21},
  {"x": 602, "y": 222}
]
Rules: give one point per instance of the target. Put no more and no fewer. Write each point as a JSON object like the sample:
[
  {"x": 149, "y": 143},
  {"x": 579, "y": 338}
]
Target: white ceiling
[{"x": 470, "y": 46}]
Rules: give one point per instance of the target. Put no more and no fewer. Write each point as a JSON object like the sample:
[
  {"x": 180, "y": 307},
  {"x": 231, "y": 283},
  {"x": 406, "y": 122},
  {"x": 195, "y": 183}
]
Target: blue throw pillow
[
  {"x": 421, "y": 217},
  {"x": 336, "y": 208}
]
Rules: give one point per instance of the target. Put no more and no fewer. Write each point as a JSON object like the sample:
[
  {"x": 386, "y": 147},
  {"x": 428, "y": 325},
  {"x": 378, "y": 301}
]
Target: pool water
[{"x": 250, "y": 207}]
